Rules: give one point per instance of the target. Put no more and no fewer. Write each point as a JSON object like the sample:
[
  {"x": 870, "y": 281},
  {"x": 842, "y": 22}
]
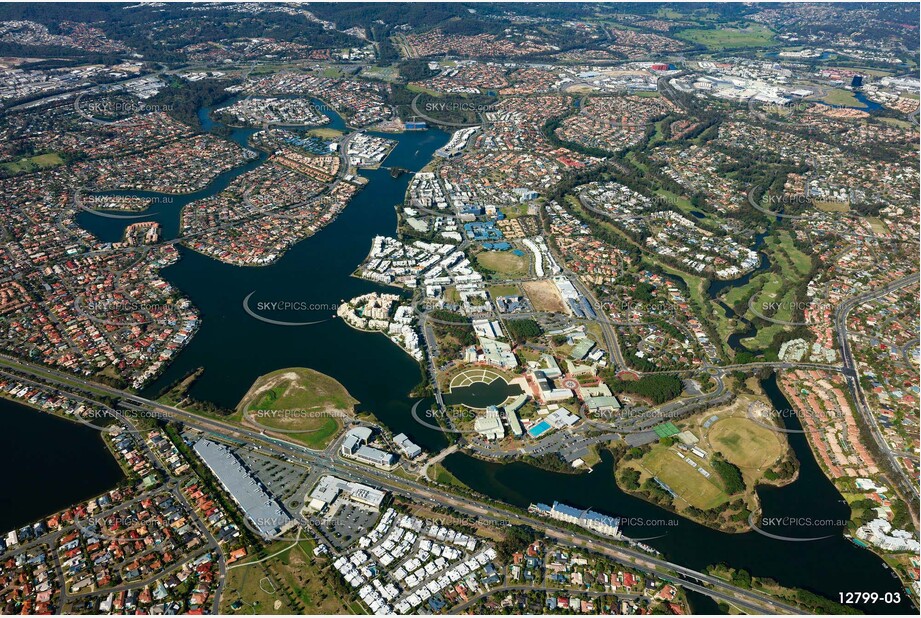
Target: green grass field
[
  {"x": 637, "y": 164},
  {"x": 439, "y": 474},
  {"x": 297, "y": 569},
  {"x": 32, "y": 164},
  {"x": 319, "y": 437},
  {"x": 720, "y": 38},
  {"x": 504, "y": 263},
  {"x": 306, "y": 404},
  {"x": 243, "y": 586},
  {"x": 688, "y": 483},
  {"x": 417, "y": 89},
  {"x": 896, "y": 122},
  {"x": 294, "y": 568},
  {"x": 513, "y": 212},
  {"x": 325, "y": 133},
  {"x": 297, "y": 387},
  {"x": 839, "y": 96},
  {"x": 877, "y": 225},
  {"x": 745, "y": 443},
  {"x": 683, "y": 203},
  {"x": 504, "y": 290},
  {"x": 665, "y": 13},
  {"x": 832, "y": 206}
]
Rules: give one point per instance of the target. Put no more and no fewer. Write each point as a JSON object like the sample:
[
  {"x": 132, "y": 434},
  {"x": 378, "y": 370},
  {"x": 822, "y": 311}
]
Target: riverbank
[
  {"x": 374, "y": 372},
  {"x": 862, "y": 502},
  {"x": 686, "y": 542},
  {"x": 712, "y": 470}
]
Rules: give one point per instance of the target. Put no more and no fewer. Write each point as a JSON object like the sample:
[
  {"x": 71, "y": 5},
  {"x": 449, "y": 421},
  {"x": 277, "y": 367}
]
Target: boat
[{"x": 647, "y": 548}]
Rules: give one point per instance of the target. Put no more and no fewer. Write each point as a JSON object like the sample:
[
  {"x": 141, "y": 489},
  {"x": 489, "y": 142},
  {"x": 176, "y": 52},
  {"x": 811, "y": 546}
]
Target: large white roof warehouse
[{"x": 260, "y": 508}]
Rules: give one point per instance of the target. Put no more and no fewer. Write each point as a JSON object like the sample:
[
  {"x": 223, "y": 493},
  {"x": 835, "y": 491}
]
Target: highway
[
  {"x": 171, "y": 485},
  {"x": 753, "y": 601},
  {"x": 905, "y": 485}
]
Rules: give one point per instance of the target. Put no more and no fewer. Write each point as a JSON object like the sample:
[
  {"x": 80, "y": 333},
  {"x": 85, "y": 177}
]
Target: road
[
  {"x": 171, "y": 485},
  {"x": 753, "y": 600},
  {"x": 907, "y": 487},
  {"x": 582, "y": 592}
]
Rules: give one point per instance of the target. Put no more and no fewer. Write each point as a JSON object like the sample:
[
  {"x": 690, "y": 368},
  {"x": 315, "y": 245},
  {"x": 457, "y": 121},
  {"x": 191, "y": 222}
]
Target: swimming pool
[{"x": 538, "y": 429}]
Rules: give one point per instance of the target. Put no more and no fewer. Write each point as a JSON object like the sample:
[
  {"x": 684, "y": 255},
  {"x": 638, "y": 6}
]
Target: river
[
  {"x": 828, "y": 566},
  {"x": 235, "y": 349}
]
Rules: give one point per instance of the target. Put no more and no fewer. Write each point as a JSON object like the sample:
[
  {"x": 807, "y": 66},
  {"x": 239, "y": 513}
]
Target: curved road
[{"x": 754, "y": 601}]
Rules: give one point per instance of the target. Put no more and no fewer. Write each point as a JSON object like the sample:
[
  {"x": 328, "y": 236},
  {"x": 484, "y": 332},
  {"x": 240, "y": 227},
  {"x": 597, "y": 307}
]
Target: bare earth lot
[{"x": 544, "y": 296}]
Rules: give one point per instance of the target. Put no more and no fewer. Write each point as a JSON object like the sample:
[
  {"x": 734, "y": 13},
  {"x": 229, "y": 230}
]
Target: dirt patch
[
  {"x": 260, "y": 387},
  {"x": 544, "y": 296}
]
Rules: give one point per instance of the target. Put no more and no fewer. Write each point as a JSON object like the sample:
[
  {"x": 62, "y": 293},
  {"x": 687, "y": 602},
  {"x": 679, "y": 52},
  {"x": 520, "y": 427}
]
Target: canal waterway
[
  {"x": 826, "y": 566},
  {"x": 235, "y": 349}
]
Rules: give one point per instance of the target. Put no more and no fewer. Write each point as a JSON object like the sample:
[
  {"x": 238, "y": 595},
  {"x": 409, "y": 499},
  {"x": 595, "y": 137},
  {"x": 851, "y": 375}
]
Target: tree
[
  {"x": 516, "y": 539},
  {"x": 630, "y": 479},
  {"x": 634, "y": 453},
  {"x": 729, "y": 473},
  {"x": 742, "y": 579},
  {"x": 415, "y": 70},
  {"x": 522, "y": 330},
  {"x": 658, "y": 388}
]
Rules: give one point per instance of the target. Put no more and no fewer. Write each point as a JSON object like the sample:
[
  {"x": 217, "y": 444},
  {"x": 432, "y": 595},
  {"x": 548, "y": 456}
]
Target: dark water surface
[
  {"x": 827, "y": 566},
  {"x": 235, "y": 349},
  {"x": 49, "y": 464}
]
